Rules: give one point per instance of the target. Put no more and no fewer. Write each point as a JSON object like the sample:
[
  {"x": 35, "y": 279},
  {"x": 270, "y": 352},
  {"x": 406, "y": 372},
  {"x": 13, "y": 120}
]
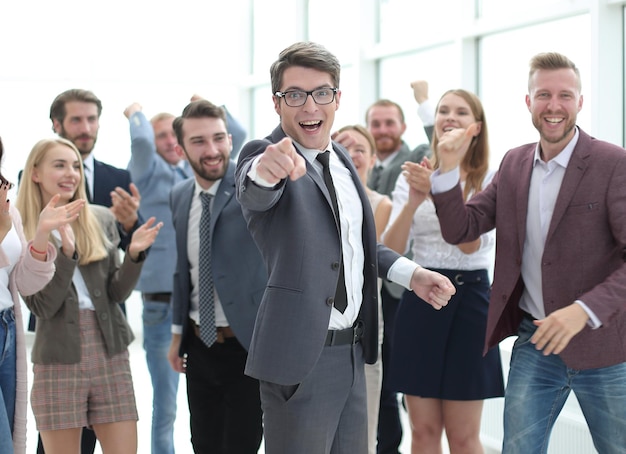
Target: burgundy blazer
[{"x": 585, "y": 251}]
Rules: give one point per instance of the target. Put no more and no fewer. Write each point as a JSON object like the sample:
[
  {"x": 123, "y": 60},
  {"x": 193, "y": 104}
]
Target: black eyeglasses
[{"x": 297, "y": 98}]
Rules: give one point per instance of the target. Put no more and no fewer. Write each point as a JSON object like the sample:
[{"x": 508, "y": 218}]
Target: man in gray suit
[
  {"x": 310, "y": 217},
  {"x": 224, "y": 405}
]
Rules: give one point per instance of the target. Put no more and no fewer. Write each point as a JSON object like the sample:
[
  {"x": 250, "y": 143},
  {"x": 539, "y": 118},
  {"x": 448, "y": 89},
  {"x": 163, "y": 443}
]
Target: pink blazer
[
  {"x": 585, "y": 250},
  {"x": 27, "y": 277}
]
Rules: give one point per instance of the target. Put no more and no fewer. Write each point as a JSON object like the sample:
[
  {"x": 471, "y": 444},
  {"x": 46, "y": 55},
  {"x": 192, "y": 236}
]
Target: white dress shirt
[{"x": 351, "y": 219}]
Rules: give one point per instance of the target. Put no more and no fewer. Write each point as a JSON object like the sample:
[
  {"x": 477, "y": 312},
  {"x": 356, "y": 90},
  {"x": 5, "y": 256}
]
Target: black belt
[
  {"x": 160, "y": 297},
  {"x": 345, "y": 336},
  {"x": 528, "y": 316}
]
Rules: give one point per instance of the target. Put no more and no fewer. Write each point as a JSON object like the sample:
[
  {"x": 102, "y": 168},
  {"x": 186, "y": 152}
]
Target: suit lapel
[
  {"x": 184, "y": 206},
  {"x": 526, "y": 168},
  {"x": 573, "y": 174},
  {"x": 225, "y": 192}
]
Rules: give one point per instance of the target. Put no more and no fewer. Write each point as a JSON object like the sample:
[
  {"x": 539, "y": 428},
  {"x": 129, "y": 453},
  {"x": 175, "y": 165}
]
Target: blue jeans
[
  {"x": 157, "y": 335},
  {"x": 7, "y": 379},
  {"x": 538, "y": 387}
]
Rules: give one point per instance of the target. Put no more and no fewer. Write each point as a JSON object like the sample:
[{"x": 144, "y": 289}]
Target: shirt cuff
[
  {"x": 443, "y": 182},
  {"x": 426, "y": 112},
  {"x": 593, "y": 322},
  {"x": 401, "y": 272},
  {"x": 257, "y": 179},
  {"x": 177, "y": 329}
]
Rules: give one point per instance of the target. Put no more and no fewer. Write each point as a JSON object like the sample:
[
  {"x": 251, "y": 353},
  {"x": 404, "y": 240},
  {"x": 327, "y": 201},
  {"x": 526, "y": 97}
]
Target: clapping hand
[
  {"x": 418, "y": 177},
  {"x": 144, "y": 237},
  {"x": 53, "y": 217},
  {"x": 453, "y": 145},
  {"x": 125, "y": 206}
]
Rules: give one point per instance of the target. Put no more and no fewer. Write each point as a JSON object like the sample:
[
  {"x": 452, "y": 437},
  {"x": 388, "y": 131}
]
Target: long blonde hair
[{"x": 91, "y": 241}]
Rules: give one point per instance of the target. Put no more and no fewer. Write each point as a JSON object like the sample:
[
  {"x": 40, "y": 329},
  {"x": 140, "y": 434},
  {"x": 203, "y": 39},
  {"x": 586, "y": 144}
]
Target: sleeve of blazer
[
  {"x": 177, "y": 292},
  {"x": 143, "y": 154},
  {"x": 250, "y": 195},
  {"x": 47, "y": 302},
  {"x": 237, "y": 131},
  {"x": 462, "y": 222},
  {"x": 122, "y": 277}
]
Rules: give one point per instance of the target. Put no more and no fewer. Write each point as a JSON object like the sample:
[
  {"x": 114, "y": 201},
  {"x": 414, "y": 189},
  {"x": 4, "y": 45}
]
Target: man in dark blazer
[
  {"x": 314, "y": 331},
  {"x": 559, "y": 210},
  {"x": 224, "y": 404},
  {"x": 75, "y": 116}
]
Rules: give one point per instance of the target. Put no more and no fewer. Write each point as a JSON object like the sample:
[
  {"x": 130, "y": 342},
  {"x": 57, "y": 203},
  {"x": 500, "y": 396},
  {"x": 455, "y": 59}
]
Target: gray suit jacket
[
  {"x": 584, "y": 253},
  {"x": 239, "y": 275},
  {"x": 294, "y": 226}
]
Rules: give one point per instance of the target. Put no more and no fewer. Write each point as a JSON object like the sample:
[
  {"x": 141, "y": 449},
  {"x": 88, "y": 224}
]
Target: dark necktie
[
  {"x": 208, "y": 333},
  {"x": 374, "y": 179},
  {"x": 341, "y": 297},
  {"x": 89, "y": 198}
]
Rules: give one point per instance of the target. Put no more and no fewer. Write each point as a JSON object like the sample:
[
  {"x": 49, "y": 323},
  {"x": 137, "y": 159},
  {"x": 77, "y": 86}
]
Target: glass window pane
[
  {"x": 264, "y": 117},
  {"x": 348, "y": 112},
  {"x": 440, "y": 67},
  {"x": 273, "y": 30},
  {"x": 341, "y": 40},
  {"x": 504, "y": 77},
  {"x": 414, "y": 21},
  {"x": 500, "y": 8}
]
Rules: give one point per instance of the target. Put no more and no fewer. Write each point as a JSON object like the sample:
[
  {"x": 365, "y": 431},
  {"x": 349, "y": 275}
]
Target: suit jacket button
[
  {"x": 97, "y": 293},
  {"x": 335, "y": 266},
  {"x": 330, "y": 301}
]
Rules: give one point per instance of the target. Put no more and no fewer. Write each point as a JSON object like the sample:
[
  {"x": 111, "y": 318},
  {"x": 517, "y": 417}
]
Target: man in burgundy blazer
[{"x": 559, "y": 209}]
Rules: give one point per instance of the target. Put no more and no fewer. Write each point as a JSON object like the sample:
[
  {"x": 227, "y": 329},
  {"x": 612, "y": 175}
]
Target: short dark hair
[
  {"x": 308, "y": 55},
  {"x": 57, "y": 109},
  {"x": 197, "y": 109}
]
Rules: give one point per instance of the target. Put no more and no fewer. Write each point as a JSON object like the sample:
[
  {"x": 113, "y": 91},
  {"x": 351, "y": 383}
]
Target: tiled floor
[{"x": 143, "y": 395}]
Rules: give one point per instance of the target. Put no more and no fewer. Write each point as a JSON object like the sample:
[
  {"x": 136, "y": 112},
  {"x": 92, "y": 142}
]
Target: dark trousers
[
  {"x": 389, "y": 425},
  {"x": 224, "y": 404}
]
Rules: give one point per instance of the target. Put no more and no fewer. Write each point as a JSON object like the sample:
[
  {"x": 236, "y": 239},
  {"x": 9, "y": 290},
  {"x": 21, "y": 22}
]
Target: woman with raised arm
[
  {"x": 81, "y": 370},
  {"x": 437, "y": 356},
  {"x": 22, "y": 272}
]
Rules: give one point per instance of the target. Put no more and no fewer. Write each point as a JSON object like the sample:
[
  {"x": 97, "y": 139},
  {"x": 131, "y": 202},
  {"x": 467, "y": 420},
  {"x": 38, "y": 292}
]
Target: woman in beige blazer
[
  {"x": 24, "y": 272},
  {"x": 81, "y": 369}
]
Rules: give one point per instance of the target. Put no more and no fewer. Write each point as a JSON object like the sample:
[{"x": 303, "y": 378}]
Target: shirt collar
[
  {"x": 561, "y": 159},
  {"x": 88, "y": 162},
  {"x": 212, "y": 190},
  {"x": 309, "y": 153}
]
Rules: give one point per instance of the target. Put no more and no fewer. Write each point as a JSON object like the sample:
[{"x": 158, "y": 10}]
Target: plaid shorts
[{"x": 98, "y": 390}]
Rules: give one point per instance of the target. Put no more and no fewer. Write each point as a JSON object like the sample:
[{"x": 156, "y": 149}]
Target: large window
[
  {"x": 504, "y": 77},
  {"x": 438, "y": 66}
]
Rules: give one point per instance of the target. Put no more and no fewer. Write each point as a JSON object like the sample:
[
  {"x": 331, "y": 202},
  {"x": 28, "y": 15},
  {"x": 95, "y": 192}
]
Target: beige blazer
[{"x": 57, "y": 339}]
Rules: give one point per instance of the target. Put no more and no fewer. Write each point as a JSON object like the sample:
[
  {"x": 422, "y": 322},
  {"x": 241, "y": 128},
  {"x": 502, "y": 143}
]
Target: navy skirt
[{"x": 438, "y": 354}]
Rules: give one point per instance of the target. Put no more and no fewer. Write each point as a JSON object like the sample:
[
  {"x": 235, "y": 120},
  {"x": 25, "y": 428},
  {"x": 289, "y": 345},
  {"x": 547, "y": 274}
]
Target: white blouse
[{"x": 428, "y": 247}]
